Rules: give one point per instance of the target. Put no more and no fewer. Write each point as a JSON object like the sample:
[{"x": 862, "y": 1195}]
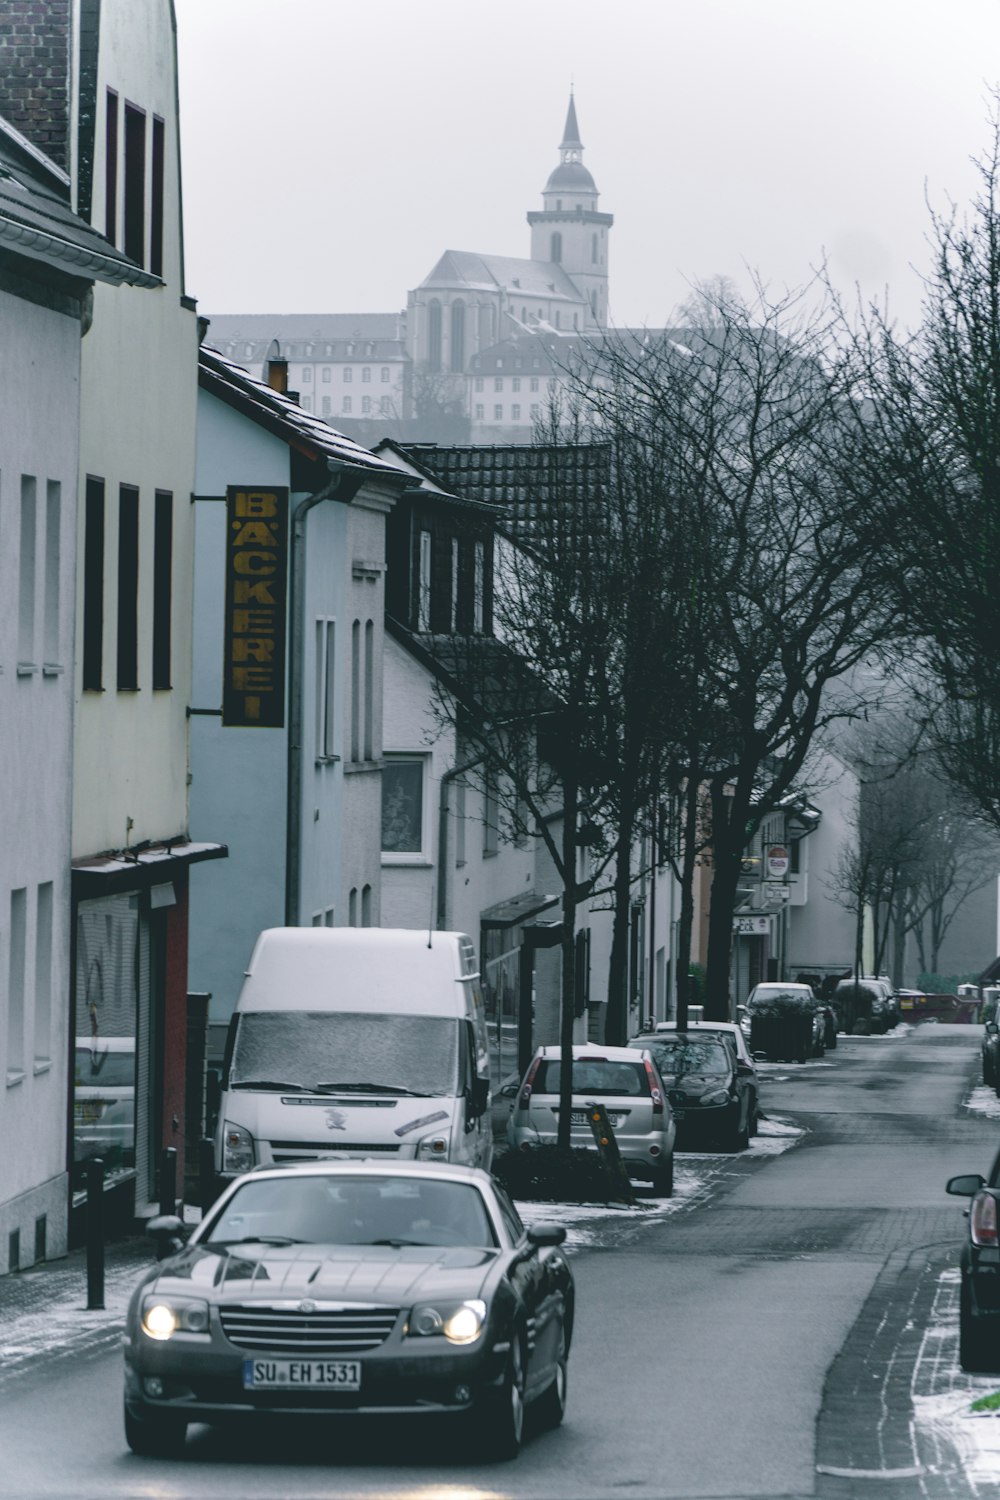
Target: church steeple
[{"x": 569, "y": 230}]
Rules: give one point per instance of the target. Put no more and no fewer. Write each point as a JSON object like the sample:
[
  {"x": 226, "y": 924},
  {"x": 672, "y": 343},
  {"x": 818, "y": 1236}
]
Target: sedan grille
[{"x": 325, "y": 1330}]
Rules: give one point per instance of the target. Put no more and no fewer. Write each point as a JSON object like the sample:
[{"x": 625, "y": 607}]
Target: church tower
[{"x": 569, "y": 229}]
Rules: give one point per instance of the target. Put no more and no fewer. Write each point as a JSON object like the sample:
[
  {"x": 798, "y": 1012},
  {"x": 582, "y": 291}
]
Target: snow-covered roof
[{"x": 528, "y": 278}]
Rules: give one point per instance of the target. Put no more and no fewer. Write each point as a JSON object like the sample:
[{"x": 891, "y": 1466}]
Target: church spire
[{"x": 571, "y": 135}]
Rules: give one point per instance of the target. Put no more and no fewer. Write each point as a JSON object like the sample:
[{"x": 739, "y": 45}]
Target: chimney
[
  {"x": 34, "y": 73},
  {"x": 276, "y": 375}
]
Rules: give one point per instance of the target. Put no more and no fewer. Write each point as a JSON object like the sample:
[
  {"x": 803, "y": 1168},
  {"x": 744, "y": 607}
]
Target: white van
[{"x": 356, "y": 1042}]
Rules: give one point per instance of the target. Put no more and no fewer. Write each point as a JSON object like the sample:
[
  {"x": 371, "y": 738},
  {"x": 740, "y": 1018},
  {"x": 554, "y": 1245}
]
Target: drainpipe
[
  {"x": 442, "y": 849},
  {"x": 339, "y": 470}
]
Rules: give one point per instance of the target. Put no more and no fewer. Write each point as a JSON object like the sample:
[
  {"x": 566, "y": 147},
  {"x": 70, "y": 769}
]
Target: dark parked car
[
  {"x": 711, "y": 1093},
  {"x": 991, "y": 1047},
  {"x": 979, "y": 1295},
  {"x": 347, "y": 1288},
  {"x": 862, "y": 1007}
]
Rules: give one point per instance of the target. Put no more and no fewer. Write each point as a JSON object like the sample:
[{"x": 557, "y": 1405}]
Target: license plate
[
  {"x": 302, "y": 1374},
  {"x": 580, "y": 1117},
  {"x": 906, "y": 1004}
]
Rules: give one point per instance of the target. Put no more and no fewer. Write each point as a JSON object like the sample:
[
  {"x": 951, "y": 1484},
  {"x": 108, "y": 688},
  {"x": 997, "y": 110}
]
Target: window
[
  {"x": 424, "y": 583},
  {"x": 348, "y": 374},
  {"x": 15, "y": 977},
  {"x": 346, "y": 406},
  {"x": 434, "y": 335},
  {"x": 478, "y": 588},
  {"x": 325, "y": 689},
  {"x": 490, "y": 814},
  {"x": 326, "y": 406},
  {"x": 498, "y": 412},
  {"x": 307, "y": 403},
  {"x": 455, "y": 561},
  {"x": 51, "y": 648},
  {"x": 326, "y": 374},
  {"x": 498, "y": 382},
  {"x": 515, "y": 383},
  {"x": 352, "y": 907},
  {"x": 366, "y": 405},
  {"x": 111, "y": 167},
  {"x": 307, "y": 374},
  {"x": 384, "y": 406},
  {"x": 403, "y": 805},
  {"x": 515, "y": 413},
  {"x": 355, "y": 693},
  {"x": 369, "y": 719},
  {"x": 43, "y": 975},
  {"x": 26, "y": 573},
  {"x": 555, "y": 251},
  {"x": 366, "y": 906},
  {"x": 135, "y": 184},
  {"x": 163, "y": 549},
  {"x": 128, "y": 588},
  {"x": 457, "y": 350},
  {"x": 156, "y": 199},
  {"x": 479, "y": 411},
  {"x": 366, "y": 375},
  {"x": 93, "y": 585},
  {"x": 477, "y": 384},
  {"x": 534, "y": 382},
  {"x": 384, "y": 375},
  {"x": 328, "y": 917},
  {"x": 536, "y": 410}
]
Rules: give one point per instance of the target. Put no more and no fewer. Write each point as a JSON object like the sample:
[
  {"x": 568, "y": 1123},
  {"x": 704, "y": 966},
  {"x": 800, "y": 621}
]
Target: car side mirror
[
  {"x": 546, "y": 1234},
  {"x": 510, "y": 1090},
  {"x": 966, "y": 1186},
  {"x": 759, "y": 1056},
  {"x": 168, "y": 1233},
  {"x": 991, "y": 1027}
]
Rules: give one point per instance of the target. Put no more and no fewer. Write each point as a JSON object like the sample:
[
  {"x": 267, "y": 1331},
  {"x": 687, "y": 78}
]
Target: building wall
[
  {"x": 39, "y": 398},
  {"x": 821, "y": 930},
  {"x": 139, "y": 384}
]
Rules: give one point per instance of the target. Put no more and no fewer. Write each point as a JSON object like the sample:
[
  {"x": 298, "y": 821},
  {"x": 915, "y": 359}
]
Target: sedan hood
[
  {"x": 356, "y": 1273},
  {"x": 695, "y": 1084}
]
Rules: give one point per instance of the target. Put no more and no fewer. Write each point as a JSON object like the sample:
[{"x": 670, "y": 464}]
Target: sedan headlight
[
  {"x": 717, "y": 1096},
  {"x": 458, "y": 1322},
  {"x": 237, "y": 1149},
  {"x": 162, "y": 1317}
]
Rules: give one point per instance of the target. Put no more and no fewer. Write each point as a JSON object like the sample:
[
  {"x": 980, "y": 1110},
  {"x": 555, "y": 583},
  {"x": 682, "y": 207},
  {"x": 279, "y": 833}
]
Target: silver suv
[{"x": 626, "y": 1082}]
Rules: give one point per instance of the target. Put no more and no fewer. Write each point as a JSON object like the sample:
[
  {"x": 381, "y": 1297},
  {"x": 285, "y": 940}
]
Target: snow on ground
[
  {"x": 696, "y": 1175},
  {"x": 943, "y": 1395},
  {"x": 983, "y": 1101}
]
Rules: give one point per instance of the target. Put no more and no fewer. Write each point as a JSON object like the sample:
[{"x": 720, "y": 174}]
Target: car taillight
[
  {"x": 529, "y": 1079},
  {"x": 654, "y": 1088},
  {"x": 983, "y": 1220}
]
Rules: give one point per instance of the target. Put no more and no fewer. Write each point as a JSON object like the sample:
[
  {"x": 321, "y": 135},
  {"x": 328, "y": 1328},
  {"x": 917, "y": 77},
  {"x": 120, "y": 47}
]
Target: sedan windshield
[
  {"x": 690, "y": 1057},
  {"x": 346, "y": 1051},
  {"x": 343, "y": 1210}
]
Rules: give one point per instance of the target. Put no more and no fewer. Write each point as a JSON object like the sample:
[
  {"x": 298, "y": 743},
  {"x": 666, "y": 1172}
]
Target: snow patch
[{"x": 983, "y": 1101}]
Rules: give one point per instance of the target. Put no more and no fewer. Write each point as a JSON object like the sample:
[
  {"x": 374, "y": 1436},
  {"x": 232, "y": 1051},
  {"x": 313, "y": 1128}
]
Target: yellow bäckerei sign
[{"x": 253, "y": 693}]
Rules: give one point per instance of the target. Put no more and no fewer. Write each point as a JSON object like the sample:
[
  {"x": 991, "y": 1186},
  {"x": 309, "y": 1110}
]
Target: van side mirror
[{"x": 479, "y": 1095}]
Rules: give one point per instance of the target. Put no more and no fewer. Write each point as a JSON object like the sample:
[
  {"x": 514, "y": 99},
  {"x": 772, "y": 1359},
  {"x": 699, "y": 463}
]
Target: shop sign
[
  {"x": 253, "y": 692},
  {"x": 751, "y": 926},
  {"x": 777, "y": 862}
]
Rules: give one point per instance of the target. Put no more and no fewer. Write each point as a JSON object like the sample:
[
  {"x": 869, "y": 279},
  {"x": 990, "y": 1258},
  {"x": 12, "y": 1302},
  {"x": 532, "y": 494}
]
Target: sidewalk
[{"x": 43, "y": 1311}]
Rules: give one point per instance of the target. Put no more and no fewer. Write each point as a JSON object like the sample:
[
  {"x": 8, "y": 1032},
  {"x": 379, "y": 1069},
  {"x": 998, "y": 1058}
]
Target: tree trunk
[
  {"x": 685, "y": 926},
  {"x": 616, "y": 1020},
  {"x": 729, "y": 818},
  {"x": 568, "y": 987}
]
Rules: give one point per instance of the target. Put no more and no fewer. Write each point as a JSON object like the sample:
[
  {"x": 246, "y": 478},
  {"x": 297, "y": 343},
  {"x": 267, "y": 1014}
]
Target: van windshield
[{"x": 378, "y": 1053}]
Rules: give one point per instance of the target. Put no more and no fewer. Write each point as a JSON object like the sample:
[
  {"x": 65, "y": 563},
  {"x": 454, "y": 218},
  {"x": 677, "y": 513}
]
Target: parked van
[{"x": 356, "y": 1042}]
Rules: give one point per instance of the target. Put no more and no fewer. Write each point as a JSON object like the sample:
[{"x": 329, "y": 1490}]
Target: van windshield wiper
[
  {"x": 271, "y": 1083},
  {"x": 371, "y": 1088}
]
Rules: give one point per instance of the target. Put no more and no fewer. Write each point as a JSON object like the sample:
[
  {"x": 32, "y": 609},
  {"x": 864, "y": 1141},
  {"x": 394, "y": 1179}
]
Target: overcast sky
[{"x": 332, "y": 149}]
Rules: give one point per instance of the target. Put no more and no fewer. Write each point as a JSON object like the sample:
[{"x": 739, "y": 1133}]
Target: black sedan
[
  {"x": 979, "y": 1294},
  {"x": 991, "y": 1047},
  {"x": 352, "y": 1288},
  {"x": 712, "y": 1093}
]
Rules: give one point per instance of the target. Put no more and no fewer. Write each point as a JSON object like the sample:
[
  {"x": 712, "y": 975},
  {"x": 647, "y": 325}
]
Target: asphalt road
[{"x": 724, "y": 1352}]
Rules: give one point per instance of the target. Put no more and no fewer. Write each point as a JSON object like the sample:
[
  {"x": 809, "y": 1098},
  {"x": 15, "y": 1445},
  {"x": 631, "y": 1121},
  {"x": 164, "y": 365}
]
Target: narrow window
[
  {"x": 53, "y": 552},
  {"x": 326, "y": 406},
  {"x": 556, "y": 253},
  {"x": 515, "y": 413},
  {"x": 498, "y": 382},
  {"x": 43, "y": 974},
  {"x": 328, "y": 917},
  {"x": 135, "y": 184},
  {"x": 156, "y": 199},
  {"x": 366, "y": 404},
  {"x": 347, "y": 405},
  {"x": 498, "y": 412},
  {"x": 384, "y": 375},
  {"x": 93, "y": 585},
  {"x": 366, "y": 906},
  {"x": 434, "y": 335},
  {"x": 366, "y": 375},
  {"x": 424, "y": 583},
  {"x": 348, "y": 374},
  {"x": 329, "y": 680},
  {"x": 457, "y": 350},
  {"x": 128, "y": 588},
  {"x": 403, "y": 805},
  {"x": 352, "y": 907},
  {"x": 326, "y": 374},
  {"x": 479, "y": 411},
  {"x": 454, "y": 582},
  {"x": 111, "y": 167},
  {"x": 15, "y": 976},
  {"x": 163, "y": 551},
  {"x": 478, "y": 588},
  {"x": 26, "y": 579},
  {"x": 369, "y": 724},
  {"x": 355, "y": 693}
]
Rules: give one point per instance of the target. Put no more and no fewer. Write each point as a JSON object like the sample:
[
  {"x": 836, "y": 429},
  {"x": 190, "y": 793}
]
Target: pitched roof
[
  {"x": 302, "y": 431},
  {"x": 532, "y": 278},
  {"x": 307, "y": 327},
  {"x": 520, "y": 476},
  {"x": 36, "y": 219}
]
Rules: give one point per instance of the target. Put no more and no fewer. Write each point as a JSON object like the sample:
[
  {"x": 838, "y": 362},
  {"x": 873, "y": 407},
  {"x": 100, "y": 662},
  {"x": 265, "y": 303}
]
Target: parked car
[
  {"x": 990, "y": 1046},
  {"x": 346, "y": 1288},
  {"x": 710, "y": 1090},
  {"x": 626, "y": 1082},
  {"x": 861, "y": 1006},
  {"x": 783, "y": 1020},
  {"x": 979, "y": 1292},
  {"x": 734, "y": 1033}
]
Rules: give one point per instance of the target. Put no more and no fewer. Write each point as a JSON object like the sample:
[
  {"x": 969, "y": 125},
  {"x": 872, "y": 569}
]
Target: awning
[
  {"x": 138, "y": 869},
  {"x": 518, "y": 909}
]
